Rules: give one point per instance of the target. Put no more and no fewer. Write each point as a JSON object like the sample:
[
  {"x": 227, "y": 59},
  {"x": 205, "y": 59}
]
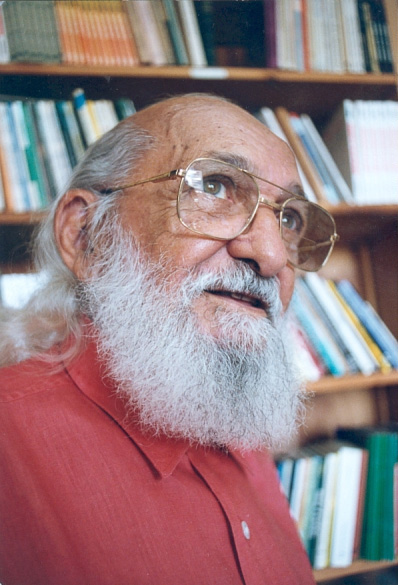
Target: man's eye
[
  {"x": 292, "y": 221},
  {"x": 219, "y": 187}
]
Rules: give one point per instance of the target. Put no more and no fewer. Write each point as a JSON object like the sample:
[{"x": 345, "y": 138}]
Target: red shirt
[{"x": 87, "y": 499}]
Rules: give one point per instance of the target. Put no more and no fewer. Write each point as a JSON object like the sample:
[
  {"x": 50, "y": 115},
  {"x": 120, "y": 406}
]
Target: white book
[
  {"x": 354, "y": 57},
  {"x": 336, "y": 37},
  {"x": 54, "y": 143},
  {"x": 267, "y": 116},
  {"x": 105, "y": 115},
  {"x": 280, "y": 34},
  {"x": 153, "y": 49},
  {"x": 31, "y": 188},
  {"x": 4, "y": 48},
  {"x": 346, "y": 500},
  {"x": 83, "y": 115},
  {"x": 18, "y": 201},
  {"x": 192, "y": 35},
  {"x": 322, "y": 549},
  {"x": 298, "y": 487},
  {"x": 358, "y": 347}
]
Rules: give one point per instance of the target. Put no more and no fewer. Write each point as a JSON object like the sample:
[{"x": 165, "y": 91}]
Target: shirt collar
[{"x": 88, "y": 375}]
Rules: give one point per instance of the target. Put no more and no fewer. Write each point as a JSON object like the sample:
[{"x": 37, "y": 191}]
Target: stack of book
[
  {"x": 336, "y": 332},
  {"x": 343, "y": 495},
  {"x": 322, "y": 35},
  {"x": 362, "y": 137},
  {"x": 42, "y": 140},
  {"x": 353, "y": 160},
  {"x": 380, "y": 520},
  {"x": 325, "y": 486}
]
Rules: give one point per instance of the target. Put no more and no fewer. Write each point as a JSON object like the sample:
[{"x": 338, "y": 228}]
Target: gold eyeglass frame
[{"x": 181, "y": 173}]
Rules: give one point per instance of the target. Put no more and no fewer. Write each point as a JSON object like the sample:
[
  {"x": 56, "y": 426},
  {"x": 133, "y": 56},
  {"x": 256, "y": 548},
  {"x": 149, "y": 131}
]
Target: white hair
[{"x": 53, "y": 315}]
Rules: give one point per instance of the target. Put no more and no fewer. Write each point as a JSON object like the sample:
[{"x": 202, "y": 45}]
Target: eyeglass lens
[{"x": 218, "y": 200}]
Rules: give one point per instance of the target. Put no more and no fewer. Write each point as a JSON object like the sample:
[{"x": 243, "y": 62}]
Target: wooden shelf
[
  {"x": 15, "y": 219},
  {"x": 308, "y": 92},
  {"x": 357, "y": 568},
  {"x": 329, "y": 384},
  {"x": 188, "y": 72},
  {"x": 359, "y": 222}
]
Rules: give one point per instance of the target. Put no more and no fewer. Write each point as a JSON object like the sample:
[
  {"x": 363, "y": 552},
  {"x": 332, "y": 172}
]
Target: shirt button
[{"x": 245, "y": 530}]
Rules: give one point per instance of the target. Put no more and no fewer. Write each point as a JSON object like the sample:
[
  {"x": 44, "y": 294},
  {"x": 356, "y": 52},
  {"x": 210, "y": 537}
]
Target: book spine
[
  {"x": 4, "y": 48},
  {"x": 193, "y": 39}
]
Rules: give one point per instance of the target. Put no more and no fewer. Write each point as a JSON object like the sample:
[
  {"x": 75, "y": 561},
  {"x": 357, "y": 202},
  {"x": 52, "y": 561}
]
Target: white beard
[{"x": 237, "y": 391}]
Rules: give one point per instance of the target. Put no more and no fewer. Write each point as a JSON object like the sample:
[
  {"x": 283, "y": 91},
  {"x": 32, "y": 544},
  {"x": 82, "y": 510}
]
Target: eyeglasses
[{"x": 220, "y": 200}]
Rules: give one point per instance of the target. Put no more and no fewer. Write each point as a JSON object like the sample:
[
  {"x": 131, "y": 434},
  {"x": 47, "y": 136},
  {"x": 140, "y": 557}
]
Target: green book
[
  {"x": 378, "y": 522},
  {"x": 32, "y": 154}
]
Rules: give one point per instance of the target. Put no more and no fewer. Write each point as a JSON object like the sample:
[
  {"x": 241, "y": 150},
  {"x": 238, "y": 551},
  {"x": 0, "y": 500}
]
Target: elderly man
[{"x": 152, "y": 371}]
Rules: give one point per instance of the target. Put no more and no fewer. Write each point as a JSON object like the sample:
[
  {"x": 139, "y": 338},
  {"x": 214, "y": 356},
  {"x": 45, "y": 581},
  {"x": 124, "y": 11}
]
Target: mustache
[{"x": 238, "y": 279}]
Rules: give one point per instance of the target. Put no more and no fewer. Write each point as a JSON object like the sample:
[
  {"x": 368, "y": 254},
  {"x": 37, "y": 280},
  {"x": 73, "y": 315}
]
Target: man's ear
[{"x": 70, "y": 221}]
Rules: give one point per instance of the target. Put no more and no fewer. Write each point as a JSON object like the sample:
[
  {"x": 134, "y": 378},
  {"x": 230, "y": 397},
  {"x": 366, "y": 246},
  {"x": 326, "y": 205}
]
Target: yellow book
[{"x": 383, "y": 363}]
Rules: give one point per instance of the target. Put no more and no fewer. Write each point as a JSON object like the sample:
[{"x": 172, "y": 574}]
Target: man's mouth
[{"x": 241, "y": 297}]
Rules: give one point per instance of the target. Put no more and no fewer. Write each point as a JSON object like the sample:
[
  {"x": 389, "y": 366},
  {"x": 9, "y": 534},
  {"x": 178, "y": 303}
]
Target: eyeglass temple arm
[
  {"x": 332, "y": 240},
  {"x": 156, "y": 179}
]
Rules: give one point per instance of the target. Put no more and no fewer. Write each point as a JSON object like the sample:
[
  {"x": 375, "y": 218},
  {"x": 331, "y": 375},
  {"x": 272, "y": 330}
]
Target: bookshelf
[{"x": 366, "y": 253}]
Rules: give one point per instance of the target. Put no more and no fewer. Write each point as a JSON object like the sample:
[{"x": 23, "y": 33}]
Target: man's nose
[{"x": 261, "y": 244}]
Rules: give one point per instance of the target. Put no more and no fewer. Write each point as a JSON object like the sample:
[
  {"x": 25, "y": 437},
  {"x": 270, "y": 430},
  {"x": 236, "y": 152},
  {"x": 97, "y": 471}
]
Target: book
[
  {"x": 311, "y": 150},
  {"x": 381, "y": 36},
  {"x": 267, "y": 116},
  {"x": 124, "y": 108},
  {"x": 270, "y": 34},
  {"x": 173, "y": 26},
  {"x": 346, "y": 504},
  {"x": 335, "y": 175},
  {"x": 4, "y": 48},
  {"x": 86, "y": 123},
  {"x": 39, "y": 41},
  {"x": 164, "y": 32},
  {"x": 70, "y": 131},
  {"x": 319, "y": 335},
  {"x": 371, "y": 321},
  {"x": 191, "y": 32},
  {"x": 368, "y": 38},
  {"x": 358, "y": 348},
  {"x": 16, "y": 160},
  {"x": 307, "y": 293},
  {"x": 142, "y": 16},
  {"x": 352, "y": 41},
  {"x": 54, "y": 144},
  {"x": 301, "y": 154},
  {"x": 24, "y": 152},
  {"x": 324, "y": 483},
  {"x": 382, "y": 362},
  {"x": 321, "y": 554},
  {"x": 307, "y": 361},
  {"x": 378, "y": 522},
  {"x": 205, "y": 13},
  {"x": 360, "y": 137}
]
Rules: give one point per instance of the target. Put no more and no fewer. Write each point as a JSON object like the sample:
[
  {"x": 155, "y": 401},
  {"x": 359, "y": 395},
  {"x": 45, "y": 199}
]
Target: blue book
[
  {"x": 371, "y": 321},
  {"x": 312, "y": 152},
  {"x": 319, "y": 336}
]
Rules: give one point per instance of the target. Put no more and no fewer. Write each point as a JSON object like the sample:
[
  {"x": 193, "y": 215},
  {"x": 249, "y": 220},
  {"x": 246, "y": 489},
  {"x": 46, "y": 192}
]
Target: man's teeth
[
  {"x": 244, "y": 298},
  {"x": 239, "y": 297}
]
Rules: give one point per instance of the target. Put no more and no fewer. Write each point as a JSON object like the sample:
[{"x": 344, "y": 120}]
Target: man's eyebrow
[
  {"x": 297, "y": 189},
  {"x": 244, "y": 163},
  {"x": 233, "y": 159}
]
